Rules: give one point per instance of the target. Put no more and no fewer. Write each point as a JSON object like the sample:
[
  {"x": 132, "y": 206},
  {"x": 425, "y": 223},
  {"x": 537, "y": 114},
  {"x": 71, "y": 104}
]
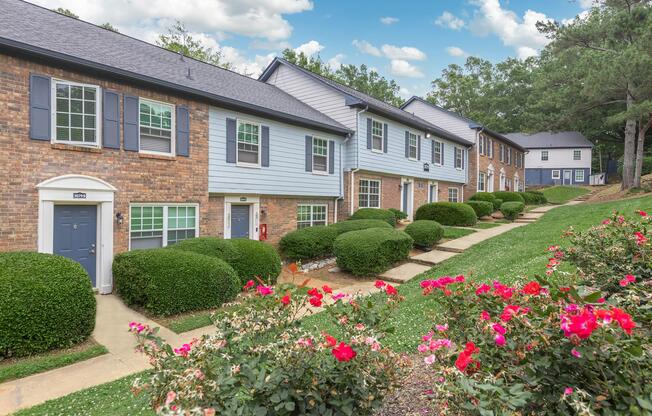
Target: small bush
[
  {"x": 309, "y": 243},
  {"x": 533, "y": 198},
  {"x": 425, "y": 233},
  {"x": 375, "y": 214},
  {"x": 481, "y": 208},
  {"x": 539, "y": 197},
  {"x": 398, "y": 214},
  {"x": 209, "y": 246},
  {"x": 447, "y": 213},
  {"x": 256, "y": 259},
  {"x": 508, "y": 196},
  {"x": 486, "y": 196},
  {"x": 511, "y": 209},
  {"x": 46, "y": 302},
  {"x": 166, "y": 282},
  {"x": 372, "y": 251},
  {"x": 497, "y": 204}
]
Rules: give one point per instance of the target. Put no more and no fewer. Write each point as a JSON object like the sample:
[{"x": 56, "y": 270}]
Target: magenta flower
[
  {"x": 499, "y": 339},
  {"x": 568, "y": 391},
  {"x": 430, "y": 359},
  {"x": 264, "y": 290},
  {"x": 576, "y": 353}
]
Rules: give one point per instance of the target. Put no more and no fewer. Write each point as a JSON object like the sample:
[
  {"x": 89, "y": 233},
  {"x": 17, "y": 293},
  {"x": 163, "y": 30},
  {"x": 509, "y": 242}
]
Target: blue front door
[
  {"x": 239, "y": 221},
  {"x": 75, "y": 235}
]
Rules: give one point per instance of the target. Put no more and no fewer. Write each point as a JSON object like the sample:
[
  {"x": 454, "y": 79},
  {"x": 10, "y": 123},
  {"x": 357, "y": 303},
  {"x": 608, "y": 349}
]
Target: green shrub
[
  {"x": 447, "y": 213},
  {"x": 209, "y": 246},
  {"x": 355, "y": 225},
  {"x": 497, "y": 204},
  {"x": 256, "y": 259},
  {"x": 46, "y": 302},
  {"x": 309, "y": 243},
  {"x": 398, "y": 214},
  {"x": 511, "y": 209},
  {"x": 508, "y": 196},
  {"x": 539, "y": 197},
  {"x": 485, "y": 196},
  {"x": 371, "y": 251},
  {"x": 166, "y": 282},
  {"x": 425, "y": 233},
  {"x": 481, "y": 208},
  {"x": 375, "y": 214}
]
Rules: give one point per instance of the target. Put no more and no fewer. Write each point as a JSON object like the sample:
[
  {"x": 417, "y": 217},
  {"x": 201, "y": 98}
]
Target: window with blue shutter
[
  {"x": 231, "y": 126},
  {"x": 183, "y": 131},
  {"x": 39, "y": 107},
  {"x": 111, "y": 120},
  {"x": 130, "y": 122},
  {"x": 308, "y": 153},
  {"x": 264, "y": 159}
]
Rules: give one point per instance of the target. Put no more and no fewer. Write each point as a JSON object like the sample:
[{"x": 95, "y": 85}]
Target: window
[
  {"x": 310, "y": 215},
  {"x": 155, "y": 126},
  {"x": 501, "y": 151},
  {"x": 482, "y": 180},
  {"x": 77, "y": 113},
  {"x": 453, "y": 195},
  {"x": 509, "y": 155},
  {"x": 161, "y": 225},
  {"x": 544, "y": 155},
  {"x": 376, "y": 135},
  {"x": 556, "y": 174},
  {"x": 482, "y": 145},
  {"x": 412, "y": 142},
  {"x": 369, "y": 195},
  {"x": 459, "y": 158},
  {"x": 579, "y": 175},
  {"x": 248, "y": 143},
  {"x": 319, "y": 155},
  {"x": 577, "y": 155},
  {"x": 437, "y": 154},
  {"x": 490, "y": 148}
]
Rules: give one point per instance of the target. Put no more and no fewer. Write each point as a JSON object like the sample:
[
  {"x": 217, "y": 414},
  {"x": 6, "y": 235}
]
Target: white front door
[{"x": 407, "y": 198}]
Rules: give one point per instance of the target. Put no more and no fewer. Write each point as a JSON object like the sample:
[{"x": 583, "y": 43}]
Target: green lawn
[
  {"x": 563, "y": 194},
  {"x": 515, "y": 255},
  {"x": 451, "y": 233},
  {"x": 23, "y": 367},
  {"x": 188, "y": 322}
]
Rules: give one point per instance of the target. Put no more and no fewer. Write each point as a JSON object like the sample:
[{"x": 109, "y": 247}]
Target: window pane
[{"x": 76, "y": 92}]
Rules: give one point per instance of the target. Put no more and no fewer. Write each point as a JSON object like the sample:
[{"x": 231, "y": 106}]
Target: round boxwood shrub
[
  {"x": 46, "y": 302},
  {"x": 511, "y": 209},
  {"x": 311, "y": 242},
  {"x": 508, "y": 196},
  {"x": 256, "y": 259},
  {"x": 447, "y": 213},
  {"x": 538, "y": 197},
  {"x": 398, "y": 214},
  {"x": 497, "y": 204},
  {"x": 375, "y": 214},
  {"x": 209, "y": 246},
  {"x": 425, "y": 233},
  {"x": 481, "y": 208},
  {"x": 486, "y": 196},
  {"x": 371, "y": 251},
  {"x": 166, "y": 282}
]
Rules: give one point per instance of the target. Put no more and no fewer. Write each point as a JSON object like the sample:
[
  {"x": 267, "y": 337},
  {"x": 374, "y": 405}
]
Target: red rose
[
  {"x": 315, "y": 301},
  {"x": 327, "y": 289},
  {"x": 532, "y": 288},
  {"x": 391, "y": 290},
  {"x": 313, "y": 292},
  {"x": 379, "y": 284},
  {"x": 343, "y": 352},
  {"x": 285, "y": 300},
  {"x": 330, "y": 340}
]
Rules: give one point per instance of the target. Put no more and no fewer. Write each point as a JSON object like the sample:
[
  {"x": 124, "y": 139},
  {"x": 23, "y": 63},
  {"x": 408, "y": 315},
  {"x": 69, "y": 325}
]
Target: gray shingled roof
[
  {"x": 42, "y": 32},
  {"x": 356, "y": 97},
  {"x": 550, "y": 140}
]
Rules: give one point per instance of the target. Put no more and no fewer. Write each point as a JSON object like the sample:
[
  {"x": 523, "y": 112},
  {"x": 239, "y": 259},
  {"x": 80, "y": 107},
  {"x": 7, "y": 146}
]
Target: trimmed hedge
[
  {"x": 209, "y": 246},
  {"x": 375, "y": 214},
  {"x": 167, "y": 282},
  {"x": 534, "y": 197},
  {"x": 425, "y": 233},
  {"x": 447, "y": 213},
  {"x": 46, "y": 302},
  {"x": 398, "y": 214},
  {"x": 256, "y": 259},
  {"x": 371, "y": 251},
  {"x": 497, "y": 204},
  {"x": 511, "y": 209},
  {"x": 355, "y": 225},
  {"x": 481, "y": 208},
  {"x": 487, "y": 197},
  {"x": 508, "y": 196}
]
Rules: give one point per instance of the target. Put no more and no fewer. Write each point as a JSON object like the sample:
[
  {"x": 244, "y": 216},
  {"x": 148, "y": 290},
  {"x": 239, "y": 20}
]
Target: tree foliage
[
  {"x": 66, "y": 12},
  {"x": 181, "y": 41},
  {"x": 109, "y": 26}
]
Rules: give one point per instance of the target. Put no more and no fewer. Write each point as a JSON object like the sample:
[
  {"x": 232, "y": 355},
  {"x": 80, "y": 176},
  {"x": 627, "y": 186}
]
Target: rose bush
[{"x": 260, "y": 361}]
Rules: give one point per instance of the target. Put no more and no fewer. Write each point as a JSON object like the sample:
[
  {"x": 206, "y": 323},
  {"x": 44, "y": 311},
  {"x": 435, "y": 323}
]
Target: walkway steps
[
  {"x": 433, "y": 257},
  {"x": 404, "y": 272}
]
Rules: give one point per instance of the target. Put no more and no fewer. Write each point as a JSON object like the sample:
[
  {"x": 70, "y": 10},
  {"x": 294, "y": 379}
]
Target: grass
[
  {"x": 563, "y": 194},
  {"x": 451, "y": 233},
  {"x": 188, "y": 321},
  {"x": 14, "y": 368}
]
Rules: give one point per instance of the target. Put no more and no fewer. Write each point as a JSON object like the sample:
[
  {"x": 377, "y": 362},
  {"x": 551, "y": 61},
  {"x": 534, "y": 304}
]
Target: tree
[
  {"x": 66, "y": 12},
  {"x": 109, "y": 26},
  {"x": 311, "y": 63},
  {"x": 181, "y": 41}
]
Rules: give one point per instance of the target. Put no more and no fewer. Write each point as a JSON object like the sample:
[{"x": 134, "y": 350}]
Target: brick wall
[
  {"x": 138, "y": 178},
  {"x": 420, "y": 194},
  {"x": 485, "y": 162}
]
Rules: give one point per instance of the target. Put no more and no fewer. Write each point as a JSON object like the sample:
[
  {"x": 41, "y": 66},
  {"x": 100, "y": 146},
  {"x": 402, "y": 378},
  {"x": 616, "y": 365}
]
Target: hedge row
[
  {"x": 447, "y": 213},
  {"x": 533, "y": 197},
  {"x": 481, "y": 208},
  {"x": 375, "y": 214},
  {"x": 508, "y": 196},
  {"x": 371, "y": 251},
  {"x": 487, "y": 197}
]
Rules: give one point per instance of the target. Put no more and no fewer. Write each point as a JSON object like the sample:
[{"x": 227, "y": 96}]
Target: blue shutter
[
  {"x": 432, "y": 151},
  {"x": 308, "y": 153},
  {"x": 39, "y": 107},
  {"x": 419, "y": 147},
  {"x": 230, "y": 140},
  {"x": 331, "y": 156},
  {"x": 368, "y": 133},
  {"x": 385, "y": 134},
  {"x": 407, "y": 144},
  {"x": 441, "y": 148},
  {"x": 264, "y": 159},
  {"x": 111, "y": 120},
  {"x": 130, "y": 121},
  {"x": 183, "y": 131}
]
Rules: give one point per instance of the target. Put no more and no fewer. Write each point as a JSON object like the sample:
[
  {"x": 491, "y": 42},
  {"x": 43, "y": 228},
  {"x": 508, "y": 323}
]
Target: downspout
[{"x": 357, "y": 160}]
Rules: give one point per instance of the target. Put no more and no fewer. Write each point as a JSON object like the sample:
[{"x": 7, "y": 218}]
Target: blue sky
[{"x": 409, "y": 41}]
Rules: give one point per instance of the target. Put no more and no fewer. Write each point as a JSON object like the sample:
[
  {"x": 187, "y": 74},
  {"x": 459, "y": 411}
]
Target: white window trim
[
  {"x": 254, "y": 214},
  {"x": 557, "y": 176},
  {"x": 484, "y": 182},
  {"x": 53, "y": 114},
  {"x": 260, "y": 144},
  {"x": 441, "y": 153},
  {"x": 575, "y": 175},
  {"x": 173, "y": 124},
  {"x": 579, "y": 152},
  {"x": 547, "y": 155},
  {"x": 457, "y": 194},
  {"x": 382, "y": 136},
  {"x": 416, "y": 146},
  {"x": 456, "y": 149},
  {"x": 380, "y": 192},
  {"x": 311, "y": 212},
  {"x": 328, "y": 159},
  {"x": 430, "y": 185},
  {"x": 165, "y": 217}
]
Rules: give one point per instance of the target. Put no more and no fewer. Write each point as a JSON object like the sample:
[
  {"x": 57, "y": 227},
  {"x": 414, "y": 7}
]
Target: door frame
[
  {"x": 408, "y": 210},
  {"x": 436, "y": 185},
  {"x": 254, "y": 218},
  {"x": 570, "y": 177},
  {"x": 80, "y": 190}
]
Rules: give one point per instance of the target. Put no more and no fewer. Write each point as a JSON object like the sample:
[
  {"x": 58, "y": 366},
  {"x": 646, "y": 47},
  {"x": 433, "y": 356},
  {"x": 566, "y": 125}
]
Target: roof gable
[{"x": 551, "y": 140}]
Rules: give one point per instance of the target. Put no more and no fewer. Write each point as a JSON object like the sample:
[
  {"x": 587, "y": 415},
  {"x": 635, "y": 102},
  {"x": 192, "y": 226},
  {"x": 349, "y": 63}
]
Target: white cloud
[
  {"x": 336, "y": 61},
  {"x": 404, "y": 92},
  {"x": 456, "y": 51},
  {"x": 402, "y": 68},
  {"x": 520, "y": 34},
  {"x": 586, "y": 4},
  {"x": 366, "y": 47},
  {"x": 407, "y": 53},
  {"x": 269, "y": 45},
  {"x": 310, "y": 48},
  {"x": 388, "y": 20},
  {"x": 243, "y": 64},
  {"x": 449, "y": 20}
]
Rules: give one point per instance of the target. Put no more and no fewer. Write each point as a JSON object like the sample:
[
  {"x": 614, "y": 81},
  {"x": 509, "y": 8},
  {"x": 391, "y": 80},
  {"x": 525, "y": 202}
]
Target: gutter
[{"x": 357, "y": 159}]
